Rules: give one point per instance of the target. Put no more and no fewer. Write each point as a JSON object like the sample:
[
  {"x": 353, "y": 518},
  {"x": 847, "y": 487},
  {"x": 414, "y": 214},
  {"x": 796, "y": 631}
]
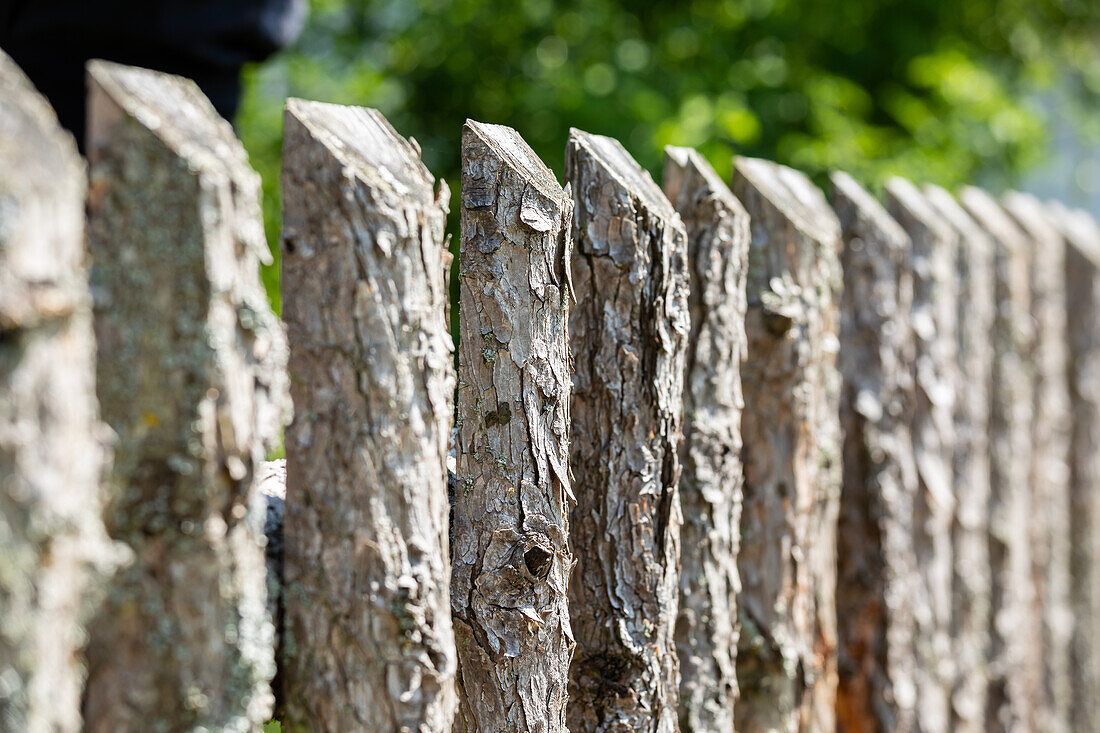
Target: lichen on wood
[
  {"x": 877, "y": 575},
  {"x": 367, "y": 640},
  {"x": 54, "y": 551},
  {"x": 628, "y": 334},
  {"x": 717, "y": 228},
  {"x": 191, "y": 377},
  {"x": 786, "y": 660},
  {"x": 510, "y": 519}
]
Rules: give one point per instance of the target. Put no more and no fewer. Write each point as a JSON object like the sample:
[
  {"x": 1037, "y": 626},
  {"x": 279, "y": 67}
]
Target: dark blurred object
[{"x": 208, "y": 41}]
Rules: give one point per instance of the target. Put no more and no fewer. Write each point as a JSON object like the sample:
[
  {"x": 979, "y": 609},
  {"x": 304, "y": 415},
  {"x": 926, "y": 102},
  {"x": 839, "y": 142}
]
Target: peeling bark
[
  {"x": 629, "y": 335},
  {"x": 1049, "y": 518},
  {"x": 53, "y": 547},
  {"x": 510, "y": 546},
  {"x": 931, "y": 263},
  {"x": 878, "y": 583},
  {"x": 1014, "y": 649},
  {"x": 191, "y": 378},
  {"x": 786, "y": 659},
  {"x": 971, "y": 583},
  {"x": 367, "y": 639},
  {"x": 706, "y": 630},
  {"x": 1082, "y": 273}
]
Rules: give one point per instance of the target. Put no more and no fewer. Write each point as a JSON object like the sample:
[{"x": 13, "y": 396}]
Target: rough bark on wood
[
  {"x": 53, "y": 547},
  {"x": 1014, "y": 660},
  {"x": 367, "y": 637},
  {"x": 191, "y": 378},
  {"x": 1049, "y": 518},
  {"x": 786, "y": 660},
  {"x": 510, "y": 547},
  {"x": 931, "y": 263},
  {"x": 877, "y": 575},
  {"x": 706, "y": 630},
  {"x": 1082, "y": 273},
  {"x": 971, "y": 583},
  {"x": 629, "y": 335}
]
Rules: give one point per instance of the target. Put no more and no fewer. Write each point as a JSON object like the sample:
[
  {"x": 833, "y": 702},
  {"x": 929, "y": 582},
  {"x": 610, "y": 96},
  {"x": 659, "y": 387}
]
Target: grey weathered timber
[
  {"x": 706, "y": 631},
  {"x": 53, "y": 547},
  {"x": 367, "y": 641},
  {"x": 628, "y": 336},
  {"x": 971, "y": 583},
  {"x": 191, "y": 377},
  {"x": 1014, "y": 648},
  {"x": 1082, "y": 282},
  {"x": 931, "y": 262},
  {"x": 1049, "y": 518},
  {"x": 877, "y": 575},
  {"x": 271, "y": 488},
  {"x": 786, "y": 660},
  {"x": 510, "y": 520}
]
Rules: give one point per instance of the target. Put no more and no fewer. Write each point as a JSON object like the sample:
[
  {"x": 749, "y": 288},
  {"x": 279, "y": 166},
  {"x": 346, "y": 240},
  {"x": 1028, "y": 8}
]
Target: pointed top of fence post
[
  {"x": 949, "y": 208},
  {"x": 512, "y": 150},
  {"x": 992, "y": 218},
  {"x": 791, "y": 193},
  {"x": 613, "y": 158},
  {"x": 678, "y": 159},
  {"x": 1078, "y": 227},
  {"x": 911, "y": 209},
  {"x": 1031, "y": 216},
  {"x": 853, "y": 202}
]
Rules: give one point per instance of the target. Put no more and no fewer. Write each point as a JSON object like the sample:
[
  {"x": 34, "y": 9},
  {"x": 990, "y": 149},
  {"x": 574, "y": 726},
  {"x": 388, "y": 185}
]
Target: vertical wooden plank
[
  {"x": 1049, "y": 520},
  {"x": 971, "y": 582},
  {"x": 628, "y": 335},
  {"x": 510, "y": 544},
  {"x": 931, "y": 263},
  {"x": 786, "y": 661},
  {"x": 717, "y": 229},
  {"x": 1082, "y": 298},
  {"x": 367, "y": 641},
  {"x": 191, "y": 378},
  {"x": 53, "y": 546},
  {"x": 1014, "y": 661},
  {"x": 878, "y": 582}
]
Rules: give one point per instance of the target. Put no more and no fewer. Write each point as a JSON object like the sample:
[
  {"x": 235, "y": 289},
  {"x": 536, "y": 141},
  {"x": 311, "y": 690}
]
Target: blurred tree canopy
[{"x": 932, "y": 90}]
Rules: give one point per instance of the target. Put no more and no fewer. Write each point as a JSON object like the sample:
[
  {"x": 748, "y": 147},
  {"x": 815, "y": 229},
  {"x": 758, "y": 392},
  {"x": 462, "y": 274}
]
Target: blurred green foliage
[{"x": 933, "y": 90}]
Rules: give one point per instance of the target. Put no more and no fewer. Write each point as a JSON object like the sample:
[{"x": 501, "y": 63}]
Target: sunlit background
[{"x": 996, "y": 93}]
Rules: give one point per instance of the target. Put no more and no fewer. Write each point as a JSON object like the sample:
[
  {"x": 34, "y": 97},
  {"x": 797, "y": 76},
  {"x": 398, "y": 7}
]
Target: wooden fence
[{"x": 713, "y": 456}]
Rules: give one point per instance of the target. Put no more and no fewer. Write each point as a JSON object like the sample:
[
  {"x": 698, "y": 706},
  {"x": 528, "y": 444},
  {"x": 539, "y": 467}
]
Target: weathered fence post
[
  {"x": 877, "y": 575},
  {"x": 786, "y": 660},
  {"x": 1049, "y": 517},
  {"x": 931, "y": 263},
  {"x": 1013, "y": 665},
  {"x": 706, "y": 631},
  {"x": 52, "y": 543},
  {"x": 367, "y": 640},
  {"x": 1082, "y": 297},
  {"x": 510, "y": 546},
  {"x": 971, "y": 583},
  {"x": 190, "y": 377},
  {"x": 629, "y": 335}
]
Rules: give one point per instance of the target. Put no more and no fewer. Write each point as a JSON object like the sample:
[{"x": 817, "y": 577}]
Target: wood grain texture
[
  {"x": 786, "y": 661},
  {"x": 628, "y": 336},
  {"x": 878, "y": 579},
  {"x": 191, "y": 377},
  {"x": 717, "y": 228},
  {"x": 54, "y": 550},
  {"x": 931, "y": 264},
  {"x": 1014, "y": 663},
  {"x": 971, "y": 581},
  {"x": 367, "y": 641},
  {"x": 513, "y": 492}
]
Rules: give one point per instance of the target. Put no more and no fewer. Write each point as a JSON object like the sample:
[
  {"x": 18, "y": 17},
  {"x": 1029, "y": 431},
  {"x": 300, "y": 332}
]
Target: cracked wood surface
[
  {"x": 931, "y": 265},
  {"x": 971, "y": 582},
  {"x": 191, "y": 378},
  {"x": 878, "y": 581},
  {"x": 367, "y": 641},
  {"x": 510, "y": 526},
  {"x": 628, "y": 334},
  {"x": 706, "y": 630},
  {"x": 1014, "y": 663},
  {"x": 786, "y": 659},
  {"x": 54, "y": 550}
]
